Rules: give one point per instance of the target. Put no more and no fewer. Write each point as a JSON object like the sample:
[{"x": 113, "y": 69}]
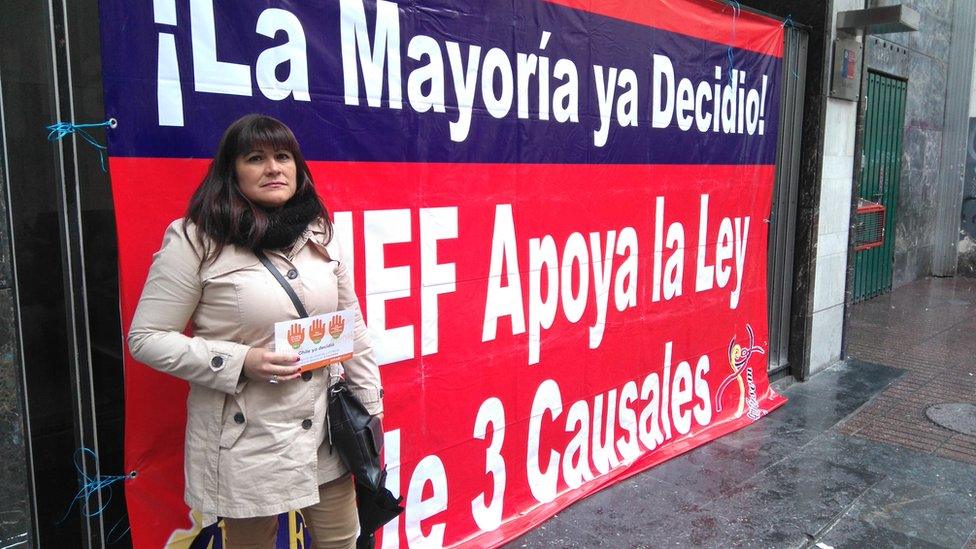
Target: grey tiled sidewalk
[
  {"x": 832, "y": 466},
  {"x": 929, "y": 329}
]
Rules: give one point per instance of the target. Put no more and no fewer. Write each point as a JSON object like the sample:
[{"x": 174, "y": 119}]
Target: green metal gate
[{"x": 873, "y": 229}]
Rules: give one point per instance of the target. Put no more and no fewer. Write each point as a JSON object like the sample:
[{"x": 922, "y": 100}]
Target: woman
[{"x": 256, "y": 436}]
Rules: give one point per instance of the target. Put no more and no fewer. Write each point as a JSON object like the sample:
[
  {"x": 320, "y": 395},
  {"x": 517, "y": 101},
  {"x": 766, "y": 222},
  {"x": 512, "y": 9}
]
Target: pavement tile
[
  {"x": 857, "y": 452},
  {"x": 895, "y": 426},
  {"x": 939, "y": 517},
  {"x": 921, "y": 467},
  {"x": 773, "y": 440},
  {"x": 927, "y": 328},
  {"x": 556, "y": 532},
  {"x": 710, "y": 471},
  {"x": 792, "y": 499},
  {"x": 636, "y": 512},
  {"x": 851, "y": 533},
  {"x": 817, "y": 413},
  {"x": 709, "y": 529},
  {"x": 962, "y": 441},
  {"x": 853, "y": 376}
]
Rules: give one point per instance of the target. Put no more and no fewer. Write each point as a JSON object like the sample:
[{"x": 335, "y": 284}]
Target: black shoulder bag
[{"x": 358, "y": 437}]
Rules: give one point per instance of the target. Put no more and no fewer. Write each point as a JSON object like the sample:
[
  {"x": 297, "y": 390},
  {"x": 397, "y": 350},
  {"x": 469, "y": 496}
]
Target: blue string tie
[
  {"x": 789, "y": 24},
  {"x": 736, "y": 9},
  {"x": 91, "y": 486},
  {"x": 114, "y": 534},
  {"x": 59, "y": 130}
]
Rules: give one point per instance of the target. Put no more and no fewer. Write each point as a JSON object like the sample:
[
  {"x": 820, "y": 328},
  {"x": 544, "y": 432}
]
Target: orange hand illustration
[
  {"x": 316, "y": 331},
  {"x": 336, "y": 326},
  {"x": 296, "y": 335}
]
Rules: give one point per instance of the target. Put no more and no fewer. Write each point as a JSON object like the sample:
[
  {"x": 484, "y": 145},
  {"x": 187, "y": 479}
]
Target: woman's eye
[
  {"x": 284, "y": 156},
  {"x": 255, "y": 158}
]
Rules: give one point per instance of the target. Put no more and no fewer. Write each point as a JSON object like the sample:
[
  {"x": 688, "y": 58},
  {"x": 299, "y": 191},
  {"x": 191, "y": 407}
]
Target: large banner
[{"x": 556, "y": 212}]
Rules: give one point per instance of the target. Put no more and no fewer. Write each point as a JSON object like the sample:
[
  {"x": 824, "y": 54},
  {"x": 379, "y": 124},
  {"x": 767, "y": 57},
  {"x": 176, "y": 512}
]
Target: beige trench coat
[{"x": 252, "y": 448}]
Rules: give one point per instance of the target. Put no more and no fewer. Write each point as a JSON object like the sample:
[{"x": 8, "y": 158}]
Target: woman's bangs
[{"x": 258, "y": 135}]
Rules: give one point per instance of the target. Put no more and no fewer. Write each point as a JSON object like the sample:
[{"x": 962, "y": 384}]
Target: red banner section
[
  {"x": 712, "y": 20},
  {"x": 555, "y": 213},
  {"x": 545, "y": 329}
]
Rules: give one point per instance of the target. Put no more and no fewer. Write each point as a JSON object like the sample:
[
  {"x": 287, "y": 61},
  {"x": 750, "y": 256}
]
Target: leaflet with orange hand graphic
[
  {"x": 336, "y": 327},
  {"x": 317, "y": 330},
  {"x": 308, "y": 337},
  {"x": 296, "y": 335}
]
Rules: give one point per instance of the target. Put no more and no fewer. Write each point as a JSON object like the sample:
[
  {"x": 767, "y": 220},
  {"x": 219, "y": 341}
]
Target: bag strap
[{"x": 284, "y": 283}]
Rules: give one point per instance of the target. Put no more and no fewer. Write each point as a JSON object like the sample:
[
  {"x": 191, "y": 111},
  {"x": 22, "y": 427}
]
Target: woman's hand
[{"x": 261, "y": 364}]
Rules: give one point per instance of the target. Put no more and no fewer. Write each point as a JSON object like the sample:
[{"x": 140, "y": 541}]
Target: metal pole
[{"x": 72, "y": 250}]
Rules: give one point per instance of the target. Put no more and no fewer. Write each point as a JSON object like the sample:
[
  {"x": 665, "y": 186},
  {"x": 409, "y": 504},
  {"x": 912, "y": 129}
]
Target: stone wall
[
  {"x": 14, "y": 507},
  {"x": 928, "y": 54},
  {"x": 834, "y": 221},
  {"x": 967, "y": 228}
]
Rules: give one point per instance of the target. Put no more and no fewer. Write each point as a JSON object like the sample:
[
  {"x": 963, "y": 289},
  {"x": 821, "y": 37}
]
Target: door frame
[
  {"x": 882, "y": 126},
  {"x": 782, "y": 218},
  {"x": 889, "y": 59}
]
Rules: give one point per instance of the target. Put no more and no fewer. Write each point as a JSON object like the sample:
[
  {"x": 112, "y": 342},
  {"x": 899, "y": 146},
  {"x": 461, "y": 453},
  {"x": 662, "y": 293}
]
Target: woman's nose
[{"x": 273, "y": 167}]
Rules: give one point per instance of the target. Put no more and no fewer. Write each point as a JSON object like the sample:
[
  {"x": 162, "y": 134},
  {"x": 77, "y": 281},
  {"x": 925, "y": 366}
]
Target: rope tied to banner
[
  {"x": 91, "y": 486},
  {"x": 789, "y": 24},
  {"x": 59, "y": 130},
  {"x": 736, "y": 10}
]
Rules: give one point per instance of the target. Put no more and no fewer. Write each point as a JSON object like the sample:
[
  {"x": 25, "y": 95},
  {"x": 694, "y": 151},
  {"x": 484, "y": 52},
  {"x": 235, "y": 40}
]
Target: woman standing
[{"x": 256, "y": 436}]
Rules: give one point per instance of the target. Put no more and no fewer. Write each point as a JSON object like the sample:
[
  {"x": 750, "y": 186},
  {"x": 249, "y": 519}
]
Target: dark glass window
[{"x": 64, "y": 249}]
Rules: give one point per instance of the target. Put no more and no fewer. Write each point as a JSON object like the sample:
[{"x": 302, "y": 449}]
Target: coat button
[
  {"x": 292, "y": 274},
  {"x": 217, "y": 362},
  {"x": 306, "y": 376},
  {"x": 238, "y": 417},
  {"x": 307, "y": 424}
]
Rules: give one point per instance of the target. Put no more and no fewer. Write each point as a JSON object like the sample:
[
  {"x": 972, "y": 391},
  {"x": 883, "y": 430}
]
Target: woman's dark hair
[{"x": 220, "y": 210}]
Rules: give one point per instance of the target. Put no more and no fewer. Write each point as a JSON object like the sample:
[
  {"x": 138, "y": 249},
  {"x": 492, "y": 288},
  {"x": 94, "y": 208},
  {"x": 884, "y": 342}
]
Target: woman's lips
[{"x": 275, "y": 184}]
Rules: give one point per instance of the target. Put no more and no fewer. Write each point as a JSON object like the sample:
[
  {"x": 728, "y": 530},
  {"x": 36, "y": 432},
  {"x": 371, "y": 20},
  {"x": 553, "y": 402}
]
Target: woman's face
[{"x": 266, "y": 176}]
